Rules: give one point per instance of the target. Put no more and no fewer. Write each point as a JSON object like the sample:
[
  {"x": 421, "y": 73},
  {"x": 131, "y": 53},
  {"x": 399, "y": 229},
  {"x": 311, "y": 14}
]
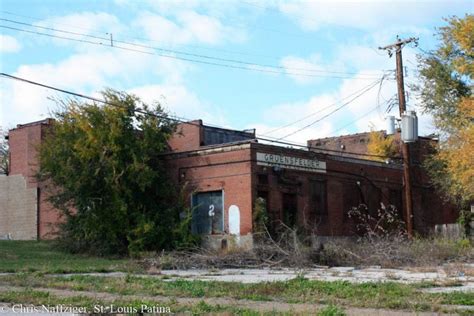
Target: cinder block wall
[
  {"x": 24, "y": 141},
  {"x": 18, "y": 208}
]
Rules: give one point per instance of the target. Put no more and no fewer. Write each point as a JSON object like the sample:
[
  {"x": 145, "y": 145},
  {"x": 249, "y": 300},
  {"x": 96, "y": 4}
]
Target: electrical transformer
[{"x": 409, "y": 127}]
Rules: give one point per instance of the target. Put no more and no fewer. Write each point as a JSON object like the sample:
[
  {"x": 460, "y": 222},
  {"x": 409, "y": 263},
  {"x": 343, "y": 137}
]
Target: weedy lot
[
  {"x": 33, "y": 282},
  {"x": 42, "y": 256}
]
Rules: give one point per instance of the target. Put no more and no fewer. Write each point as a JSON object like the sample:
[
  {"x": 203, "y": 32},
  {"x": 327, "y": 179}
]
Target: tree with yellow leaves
[
  {"x": 446, "y": 92},
  {"x": 381, "y": 146}
]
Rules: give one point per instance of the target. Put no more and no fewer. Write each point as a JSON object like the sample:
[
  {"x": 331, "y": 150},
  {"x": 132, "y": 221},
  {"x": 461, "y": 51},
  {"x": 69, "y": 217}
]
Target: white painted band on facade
[{"x": 290, "y": 162}]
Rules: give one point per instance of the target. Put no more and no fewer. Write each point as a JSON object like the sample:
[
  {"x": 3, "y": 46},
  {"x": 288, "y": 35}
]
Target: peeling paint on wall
[{"x": 234, "y": 220}]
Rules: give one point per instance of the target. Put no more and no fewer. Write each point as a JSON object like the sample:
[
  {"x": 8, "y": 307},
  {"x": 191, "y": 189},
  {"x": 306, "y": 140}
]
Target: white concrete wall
[{"x": 18, "y": 208}]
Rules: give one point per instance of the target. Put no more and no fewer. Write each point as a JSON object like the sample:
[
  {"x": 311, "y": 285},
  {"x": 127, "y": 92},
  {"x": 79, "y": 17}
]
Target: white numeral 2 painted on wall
[{"x": 211, "y": 210}]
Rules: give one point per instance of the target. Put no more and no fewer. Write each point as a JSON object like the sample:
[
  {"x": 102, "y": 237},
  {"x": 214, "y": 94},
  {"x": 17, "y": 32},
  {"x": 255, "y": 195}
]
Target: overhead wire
[
  {"x": 389, "y": 104},
  {"x": 319, "y": 111},
  {"x": 163, "y": 116},
  {"x": 355, "y": 121},
  {"x": 310, "y": 72},
  {"x": 332, "y": 112},
  {"x": 226, "y": 51},
  {"x": 158, "y": 54}
]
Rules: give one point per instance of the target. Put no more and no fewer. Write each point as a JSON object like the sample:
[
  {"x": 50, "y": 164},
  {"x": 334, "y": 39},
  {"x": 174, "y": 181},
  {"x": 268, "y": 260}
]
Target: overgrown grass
[
  {"x": 390, "y": 295},
  {"x": 39, "y": 298},
  {"x": 21, "y": 256},
  {"x": 331, "y": 310},
  {"x": 396, "y": 252}
]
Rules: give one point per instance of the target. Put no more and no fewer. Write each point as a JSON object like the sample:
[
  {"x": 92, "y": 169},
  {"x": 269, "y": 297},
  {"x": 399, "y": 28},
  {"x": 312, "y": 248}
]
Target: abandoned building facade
[{"x": 225, "y": 171}]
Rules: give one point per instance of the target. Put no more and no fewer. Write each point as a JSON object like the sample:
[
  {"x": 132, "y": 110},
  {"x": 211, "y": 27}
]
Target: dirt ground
[{"x": 254, "y": 305}]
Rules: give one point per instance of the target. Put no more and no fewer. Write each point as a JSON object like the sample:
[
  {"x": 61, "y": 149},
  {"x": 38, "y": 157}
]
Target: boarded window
[
  {"x": 208, "y": 216},
  {"x": 319, "y": 210}
]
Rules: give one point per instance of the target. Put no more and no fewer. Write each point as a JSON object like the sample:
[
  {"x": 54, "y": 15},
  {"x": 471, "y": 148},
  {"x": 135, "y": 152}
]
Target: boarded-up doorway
[{"x": 208, "y": 215}]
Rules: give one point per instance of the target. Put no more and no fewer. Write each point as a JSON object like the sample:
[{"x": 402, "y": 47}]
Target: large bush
[{"x": 110, "y": 183}]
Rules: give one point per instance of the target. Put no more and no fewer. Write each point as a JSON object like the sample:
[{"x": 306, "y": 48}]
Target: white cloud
[
  {"x": 327, "y": 115},
  {"x": 85, "y": 72},
  {"x": 300, "y": 138},
  {"x": 78, "y": 29},
  {"x": 179, "y": 101},
  {"x": 296, "y": 65},
  {"x": 9, "y": 44},
  {"x": 188, "y": 27},
  {"x": 312, "y": 69},
  {"x": 365, "y": 15},
  {"x": 365, "y": 110},
  {"x": 85, "y": 22}
]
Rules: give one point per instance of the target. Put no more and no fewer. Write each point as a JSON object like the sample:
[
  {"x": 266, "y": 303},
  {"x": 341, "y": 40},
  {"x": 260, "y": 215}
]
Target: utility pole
[{"x": 397, "y": 46}]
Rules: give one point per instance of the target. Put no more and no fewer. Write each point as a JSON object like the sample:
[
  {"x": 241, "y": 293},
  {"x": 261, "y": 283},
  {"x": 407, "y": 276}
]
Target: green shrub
[{"x": 110, "y": 182}]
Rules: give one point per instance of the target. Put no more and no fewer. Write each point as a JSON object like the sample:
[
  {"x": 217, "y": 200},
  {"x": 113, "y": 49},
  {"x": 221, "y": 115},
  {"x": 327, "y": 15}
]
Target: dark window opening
[
  {"x": 290, "y": 209},
  {"x": 395, "y": 199},
  {"x": 352, "y": 198},
  {"x": 319, "y": 210},
  {"x": 372, "y": 198},
  {"x": 263, "y": 179},
  {"x": 263, "y": 195}
]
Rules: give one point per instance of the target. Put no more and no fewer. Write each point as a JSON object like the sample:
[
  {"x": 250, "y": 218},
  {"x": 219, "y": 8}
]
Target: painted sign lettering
[{"x": 291, "y": 162}]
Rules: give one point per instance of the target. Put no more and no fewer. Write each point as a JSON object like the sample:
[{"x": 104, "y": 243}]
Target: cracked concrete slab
[{"x": 455, "y": 280}]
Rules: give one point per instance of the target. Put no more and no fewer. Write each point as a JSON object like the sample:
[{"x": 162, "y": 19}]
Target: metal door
[{"x": 208, "y": 217}]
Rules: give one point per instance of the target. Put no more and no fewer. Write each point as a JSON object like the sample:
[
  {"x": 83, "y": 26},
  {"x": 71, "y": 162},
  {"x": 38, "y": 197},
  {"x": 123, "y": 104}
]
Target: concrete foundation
[{"x": 227, "y": 242}]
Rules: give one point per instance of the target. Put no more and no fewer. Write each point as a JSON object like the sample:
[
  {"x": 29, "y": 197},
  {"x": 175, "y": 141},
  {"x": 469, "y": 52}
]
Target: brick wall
[
  {"x": 232, "y": 168},
  {"x": 187, "y": 136},
  {"x": 226, "y": 168},
  {"x": 348, "y": 181},
  {"x": 351, "y": 145},
  {"x": 24, "y": 141}
]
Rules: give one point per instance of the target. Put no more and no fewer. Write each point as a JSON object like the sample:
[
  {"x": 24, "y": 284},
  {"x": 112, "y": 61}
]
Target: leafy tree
[
  {"x": 446, "y": 92},
  {"x": 381, "y": 145},
  {"x": 110, "y": 183}
]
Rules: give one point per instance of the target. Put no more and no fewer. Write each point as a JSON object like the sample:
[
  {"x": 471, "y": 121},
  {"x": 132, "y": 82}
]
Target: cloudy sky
[{"x": 291, "y": 69}]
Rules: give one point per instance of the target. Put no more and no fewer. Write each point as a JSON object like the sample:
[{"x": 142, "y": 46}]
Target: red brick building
[
  {"x": 310, "y": 188},
  {"x": 23, "y": 141},
  {"x": 224, "y": 171}
]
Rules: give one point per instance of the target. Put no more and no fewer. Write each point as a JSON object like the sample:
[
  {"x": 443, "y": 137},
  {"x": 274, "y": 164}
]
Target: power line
[
  {"x": 226, "y": 51},
  {"x": 356, "y": 120},
  {"x": 148, "y": 40},
  {"x": 248, "y": 53},
  {"x": 184, "y": 53},
  {"x": 154, "y": 53},
  {"x": 389, "y": 104},
  {"x": 165, "y": 117},
  {"x": 332, "y": 112},
  {"x": 319, "y": 111},
  {"x": 322, "y": 150},
  {"x": 281, "y": 69}
]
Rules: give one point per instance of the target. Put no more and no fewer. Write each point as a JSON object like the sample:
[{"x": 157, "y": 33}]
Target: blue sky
[{"x": 302, "y": 60}]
